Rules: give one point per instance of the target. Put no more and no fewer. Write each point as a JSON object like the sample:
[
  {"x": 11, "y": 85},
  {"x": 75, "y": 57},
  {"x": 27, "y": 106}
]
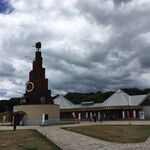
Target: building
[
  {"x": 36, "y": 104},
  {"x": 7, "y": 115},
  {"x": 118, "y": 106}
]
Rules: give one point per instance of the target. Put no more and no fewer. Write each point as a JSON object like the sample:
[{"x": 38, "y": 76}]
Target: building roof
[
  {"x": 19, "y": 113},
  {"x": 119, "y": 98},
  {"x": 63, "y": 102},
  {"x": 95, "y": 105},
  {"x": 87, "y": 103},
  {"x": 6, "y": 112},
  {"x": 137, "y": 99},
  {"x": 66, "y": 104}
]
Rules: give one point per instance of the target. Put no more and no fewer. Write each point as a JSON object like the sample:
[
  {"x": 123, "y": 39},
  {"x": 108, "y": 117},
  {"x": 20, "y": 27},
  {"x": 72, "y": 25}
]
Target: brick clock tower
[
  {"x": 37, "y": 87},
  {"x": 36, "y": 106}
]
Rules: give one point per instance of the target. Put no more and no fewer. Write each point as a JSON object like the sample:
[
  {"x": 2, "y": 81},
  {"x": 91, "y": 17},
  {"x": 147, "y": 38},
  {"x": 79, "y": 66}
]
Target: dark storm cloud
[
  {"x": 6, "y": 69},
  {"x": 122, "y": 46},
  {"x": 118, "y": 2},
  {"x": 144, "y": 60},
  {"x": 3, "y": 93},
  {"x": 58, "y": 61}
]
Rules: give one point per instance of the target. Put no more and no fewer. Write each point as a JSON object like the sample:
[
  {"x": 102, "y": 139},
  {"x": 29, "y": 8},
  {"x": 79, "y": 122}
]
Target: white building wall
[{"x": 146, "y": 110}]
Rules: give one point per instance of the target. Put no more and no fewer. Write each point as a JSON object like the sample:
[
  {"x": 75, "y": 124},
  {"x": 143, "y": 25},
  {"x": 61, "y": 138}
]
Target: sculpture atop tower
[
  {"x": 37, "y": 87},
  {"x": 38, "y": 46}
]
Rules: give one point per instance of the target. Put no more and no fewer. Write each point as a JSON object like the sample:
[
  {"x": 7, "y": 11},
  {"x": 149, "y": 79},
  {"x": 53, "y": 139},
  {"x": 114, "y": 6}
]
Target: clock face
[{"x": 29, "y": 87}]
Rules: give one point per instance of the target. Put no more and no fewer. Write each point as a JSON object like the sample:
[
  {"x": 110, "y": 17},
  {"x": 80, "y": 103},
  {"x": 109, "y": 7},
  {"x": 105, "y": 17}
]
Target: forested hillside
[
  {"x": 97, "y": 97},
  {"x": 100, "y": 97},
  {"x": 7, "y": 105},
  {"x": 76, "y": 98}
]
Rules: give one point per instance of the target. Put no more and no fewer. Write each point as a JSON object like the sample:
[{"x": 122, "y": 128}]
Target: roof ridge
[
  {"x": 65, "y": 99},
  {"x": 128, "y": 101}
]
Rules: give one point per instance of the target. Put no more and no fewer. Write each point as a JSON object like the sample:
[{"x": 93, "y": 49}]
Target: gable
[
  {"x": 119, "y": 98},
  {"x": 146, "y": 102}
]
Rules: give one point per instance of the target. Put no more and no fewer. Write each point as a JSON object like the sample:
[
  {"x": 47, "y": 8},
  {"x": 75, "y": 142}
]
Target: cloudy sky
[{"x": 87, "y": 46}]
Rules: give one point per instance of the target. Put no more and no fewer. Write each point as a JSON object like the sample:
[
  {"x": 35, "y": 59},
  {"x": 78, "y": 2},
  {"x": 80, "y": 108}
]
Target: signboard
[{"x": 141, "y": 115}]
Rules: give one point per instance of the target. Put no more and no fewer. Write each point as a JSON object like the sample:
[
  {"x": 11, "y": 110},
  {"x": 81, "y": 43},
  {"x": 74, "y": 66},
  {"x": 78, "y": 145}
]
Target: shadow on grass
[{"x": 28, "y": 139}]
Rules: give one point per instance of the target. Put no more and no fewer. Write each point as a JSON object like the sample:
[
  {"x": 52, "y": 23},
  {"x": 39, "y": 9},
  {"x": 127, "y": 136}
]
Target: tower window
[{"x": 42, "y": 100}]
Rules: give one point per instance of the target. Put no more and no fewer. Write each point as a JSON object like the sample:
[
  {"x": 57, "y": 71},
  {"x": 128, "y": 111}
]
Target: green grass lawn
[
  {"x": 115, "y": 133},
  {"x": 25, "y": 140}
]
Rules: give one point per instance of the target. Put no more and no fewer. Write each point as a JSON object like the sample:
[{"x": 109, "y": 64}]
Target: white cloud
[{"x": 87, "y": 45}]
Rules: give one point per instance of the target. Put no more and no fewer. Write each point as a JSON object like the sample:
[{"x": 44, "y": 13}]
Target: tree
[
  {"x": 146, "y": 91},
  {"x": 133, "y": 91},
  {"x": 107, "y": 94},
  {"x": 7, "y": 105},
  {"x": 3, "y": 105}
]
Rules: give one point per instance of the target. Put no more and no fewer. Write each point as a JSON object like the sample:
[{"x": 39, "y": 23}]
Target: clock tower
[{"x": 37, "y": 87}]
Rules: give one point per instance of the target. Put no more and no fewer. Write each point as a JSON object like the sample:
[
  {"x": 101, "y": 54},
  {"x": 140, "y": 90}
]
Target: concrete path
[{"x": 73, "y": 141}]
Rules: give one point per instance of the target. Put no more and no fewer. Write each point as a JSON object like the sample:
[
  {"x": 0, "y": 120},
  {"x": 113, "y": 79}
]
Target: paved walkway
[{"x": 74, "y": 141}]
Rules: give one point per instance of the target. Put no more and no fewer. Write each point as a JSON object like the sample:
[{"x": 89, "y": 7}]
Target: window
[{"x": 42, "y": 100}]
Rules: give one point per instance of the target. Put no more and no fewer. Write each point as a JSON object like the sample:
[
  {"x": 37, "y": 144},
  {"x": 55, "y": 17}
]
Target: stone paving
[{"x": 73, "y": 141}]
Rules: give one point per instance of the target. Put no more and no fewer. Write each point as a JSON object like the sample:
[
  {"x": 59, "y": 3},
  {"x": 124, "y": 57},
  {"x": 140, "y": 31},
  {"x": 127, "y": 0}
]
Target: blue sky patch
[{"x": 5, "y": 7}]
